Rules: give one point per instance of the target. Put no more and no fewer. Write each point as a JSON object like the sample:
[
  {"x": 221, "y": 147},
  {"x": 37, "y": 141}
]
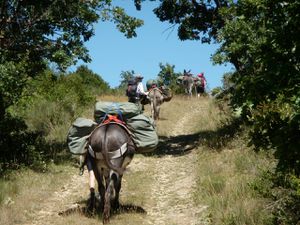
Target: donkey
[
  {"x": 156, "y": 99},
  {"x": 188, "y": 84},
  {"x": 111, "y": 149}
]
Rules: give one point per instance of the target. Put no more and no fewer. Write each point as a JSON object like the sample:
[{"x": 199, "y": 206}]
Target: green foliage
[
  {"x": 167, "y": 76},
  {"x": 260, "y": 39},
  {"x": 216, "y": 91},
  {"x": 17, "y": 146},
  {"x": 196, "y": 19},
  {"x": 49, "y": 104},
  {"x": 266, "y": 91},
  {"x": 34, "y": 34},
  {"x": 125, "y": 77},
  {"x": 11, "y": 83},
  {"x": 276, "y": 125},
  {"x": 126, "y": 24},
  {"x": 93, "y": 81},
  {"x": 67, "y": 94},
  {"x": 285, "y": 194},
  {"x": 55, "y": 30}
]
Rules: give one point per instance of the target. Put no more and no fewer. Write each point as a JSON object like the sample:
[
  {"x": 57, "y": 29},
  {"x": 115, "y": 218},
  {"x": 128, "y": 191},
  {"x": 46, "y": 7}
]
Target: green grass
[
  {"x": 224, "y": 184},
  {"x": 226, "y": 172}
]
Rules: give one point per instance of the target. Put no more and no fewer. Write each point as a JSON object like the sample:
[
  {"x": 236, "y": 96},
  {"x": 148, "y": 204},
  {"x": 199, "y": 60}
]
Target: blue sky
[{"x": 112, "y": 52}]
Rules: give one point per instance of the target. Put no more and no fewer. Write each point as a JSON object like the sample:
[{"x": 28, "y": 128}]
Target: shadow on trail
[
  {"x": 81, "y": 208},
  {"x": 183, "y": 144}
]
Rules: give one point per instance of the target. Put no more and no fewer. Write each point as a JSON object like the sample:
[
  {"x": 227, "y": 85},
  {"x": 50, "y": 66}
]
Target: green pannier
[
  {"x": 78, "y": 134},
  {"x": 143, "y": 133},
  {"x": 167, "y": 93},
  {"x": 125, "y": 109},
  {"x": 141, "y": 127}
]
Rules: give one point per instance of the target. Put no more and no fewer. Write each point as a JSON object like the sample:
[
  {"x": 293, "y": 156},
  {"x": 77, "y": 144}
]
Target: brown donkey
[{"x": 111, "y": 149}]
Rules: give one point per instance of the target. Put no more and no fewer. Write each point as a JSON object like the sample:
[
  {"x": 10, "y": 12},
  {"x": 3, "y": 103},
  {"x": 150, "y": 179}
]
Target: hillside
[{"x": 183, "y": 182}]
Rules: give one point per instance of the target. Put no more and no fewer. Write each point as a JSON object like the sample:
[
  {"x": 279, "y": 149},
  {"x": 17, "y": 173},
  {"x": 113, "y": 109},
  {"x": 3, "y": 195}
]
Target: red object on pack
[{"x": 113, "y": 118}]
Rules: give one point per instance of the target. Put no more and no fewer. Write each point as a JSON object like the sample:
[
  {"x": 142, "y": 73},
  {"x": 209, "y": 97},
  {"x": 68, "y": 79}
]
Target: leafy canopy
[{"x": 55, "y": 30}]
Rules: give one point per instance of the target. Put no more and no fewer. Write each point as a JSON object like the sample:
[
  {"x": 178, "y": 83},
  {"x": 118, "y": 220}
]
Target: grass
[
  {"x": 224, "y": 184},
  {"x": 227, "y": 167},
  {"x": 226, "y": 170},
  {"x": 23, "y": 191}
]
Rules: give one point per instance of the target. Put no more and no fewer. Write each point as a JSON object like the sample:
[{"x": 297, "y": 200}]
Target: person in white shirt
[
  {"x": 140, "y": 92},
  {"x": 140, "y": 87}
]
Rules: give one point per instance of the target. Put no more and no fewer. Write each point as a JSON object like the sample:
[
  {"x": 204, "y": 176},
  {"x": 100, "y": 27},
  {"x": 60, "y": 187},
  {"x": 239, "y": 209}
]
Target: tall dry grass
[
  {"x": 225, "y": 171},
  {"x": 23, "y": 192}
]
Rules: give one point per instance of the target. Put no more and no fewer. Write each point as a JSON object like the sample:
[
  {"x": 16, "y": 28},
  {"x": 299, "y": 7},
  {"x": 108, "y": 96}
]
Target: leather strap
[{"x": 112, "y": 155}]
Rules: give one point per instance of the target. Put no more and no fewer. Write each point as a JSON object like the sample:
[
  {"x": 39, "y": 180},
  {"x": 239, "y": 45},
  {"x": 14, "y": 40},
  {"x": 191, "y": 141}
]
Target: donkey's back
[{"x": 111, "y": 149}]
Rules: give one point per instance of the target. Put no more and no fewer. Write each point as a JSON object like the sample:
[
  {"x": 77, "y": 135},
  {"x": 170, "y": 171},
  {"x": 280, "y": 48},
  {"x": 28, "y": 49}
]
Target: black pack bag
[{"x": 131, "y": 88}]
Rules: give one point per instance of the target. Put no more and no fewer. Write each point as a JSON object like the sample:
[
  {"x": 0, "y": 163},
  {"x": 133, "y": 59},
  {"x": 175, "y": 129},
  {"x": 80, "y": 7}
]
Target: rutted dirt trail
[
  {"x": 175, "y": 176},
  {"x": 164, "y": 185}
]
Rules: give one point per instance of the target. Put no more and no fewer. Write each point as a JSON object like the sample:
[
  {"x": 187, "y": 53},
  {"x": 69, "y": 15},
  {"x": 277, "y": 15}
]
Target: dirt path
[
  {"x": 165, "y": 191},
  {"x": 60, "y": 200},
  {"x": 175, "y": 176}
]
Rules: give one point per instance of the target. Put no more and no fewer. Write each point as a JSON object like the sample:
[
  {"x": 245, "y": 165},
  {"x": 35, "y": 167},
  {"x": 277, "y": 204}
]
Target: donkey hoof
[{"x": 105, "y": 220}]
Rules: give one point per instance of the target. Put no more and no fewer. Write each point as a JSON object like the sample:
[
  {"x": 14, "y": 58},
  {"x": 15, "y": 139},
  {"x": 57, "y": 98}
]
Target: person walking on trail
[
  {"x": 136, "y": 91},
  {"x": 200, "y": 84},
  {"x": 140, "y": 87}
]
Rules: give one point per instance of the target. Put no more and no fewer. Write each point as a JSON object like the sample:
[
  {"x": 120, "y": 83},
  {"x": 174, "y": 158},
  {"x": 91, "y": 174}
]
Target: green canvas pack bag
[
  {"x": 78, "y": 134},
  {"x": 124, "y": 109},
  {"x": 143, "y": 133}
]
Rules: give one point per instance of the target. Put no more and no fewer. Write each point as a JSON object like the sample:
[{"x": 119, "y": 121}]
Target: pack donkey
[
  {"x": 156, "y": 98},
  {"x": 111, "y": 149},
  {"x": 188, "y": 83}
]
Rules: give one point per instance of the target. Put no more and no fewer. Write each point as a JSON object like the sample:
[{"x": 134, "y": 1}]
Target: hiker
[
  {"x": 140, "y": 87},
  {"x": 85, "y": 159},
  {"x": 141, "y": 94},
  {"x": 135, "y": 90},
  {"x": 200, "y": 84},
  {"x": 92, "y": 177}
]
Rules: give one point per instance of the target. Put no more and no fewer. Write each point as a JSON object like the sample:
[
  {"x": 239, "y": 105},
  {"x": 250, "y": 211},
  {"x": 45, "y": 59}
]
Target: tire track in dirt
[
  {"x": 61, "y": 200},
  {"x": 175, "y": 182},
  {"x": 171, "y": 193}
]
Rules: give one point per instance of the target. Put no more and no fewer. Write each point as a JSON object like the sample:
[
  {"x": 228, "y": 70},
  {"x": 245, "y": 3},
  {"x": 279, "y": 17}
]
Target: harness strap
[
  {"x": 119, "y": 152},
  {"x": 112, "y": 155},
  {"x": 96, "y": 155}
]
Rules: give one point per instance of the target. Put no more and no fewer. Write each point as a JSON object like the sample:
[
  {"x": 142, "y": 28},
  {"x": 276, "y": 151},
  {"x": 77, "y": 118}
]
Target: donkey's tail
[{"x": 119, "y": 170}]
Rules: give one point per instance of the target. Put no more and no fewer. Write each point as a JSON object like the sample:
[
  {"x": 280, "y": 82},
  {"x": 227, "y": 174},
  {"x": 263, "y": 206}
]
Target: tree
[
  {"x": 267, "y": 85},
  {"x": 125, "y": 77},
  {"x": 260, "y": 38},
  {"x": 168, "y": 76},
  {"x": 55, "y": 30},
  {"x": 196, "y": 20},
  {"x": 92, "y": 80},
  {"x": 34, "y": 34}
]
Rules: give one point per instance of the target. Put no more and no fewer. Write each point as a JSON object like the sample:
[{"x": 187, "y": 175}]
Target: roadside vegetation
[
  {"x": 227, "y": 172},
  {"x": 259, "y": 38}
]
